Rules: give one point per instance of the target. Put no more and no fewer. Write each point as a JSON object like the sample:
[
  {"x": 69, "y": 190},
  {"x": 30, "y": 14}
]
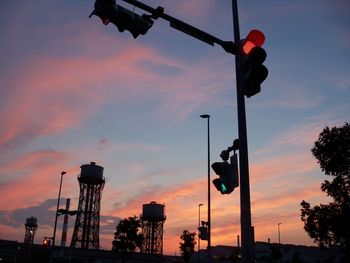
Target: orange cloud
[
  {"x": 279, "y": 204},
  {"x": 39, "y": 171}
]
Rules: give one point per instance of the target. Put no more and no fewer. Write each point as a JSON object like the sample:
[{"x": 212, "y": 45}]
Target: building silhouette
[
  {"x": 152, "y": 221},
  {"x": 30, "y": 229},
  {"x": 87, "y": 223}
]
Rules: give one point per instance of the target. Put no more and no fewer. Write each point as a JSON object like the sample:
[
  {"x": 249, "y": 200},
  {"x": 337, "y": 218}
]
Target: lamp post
[
  {"x": 199, "y": 224},
  {"x": 207, "y": 116},
  {"x": 58, "y": 204},
  {"x": 279, "y": 233}
]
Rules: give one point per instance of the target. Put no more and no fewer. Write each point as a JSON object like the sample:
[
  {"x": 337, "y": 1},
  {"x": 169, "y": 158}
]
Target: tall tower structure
[
  {"x": 31, "y": 227},
  {"x": 152, "y": 221},
  {"x": 87, "y": 223}
]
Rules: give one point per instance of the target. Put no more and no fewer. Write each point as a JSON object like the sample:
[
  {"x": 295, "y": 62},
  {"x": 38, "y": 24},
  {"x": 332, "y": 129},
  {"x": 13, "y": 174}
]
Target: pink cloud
[
  {"x": 51, "y": 94},
  {"x": 14, "y": 233},
  {"x": 275, "y": 167},
  {"x": 38, "y": 172},
  {"x": 302, "y": 137}
]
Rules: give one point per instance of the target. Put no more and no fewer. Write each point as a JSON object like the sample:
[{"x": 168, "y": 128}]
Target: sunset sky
[{"x": 74, "y": 91}]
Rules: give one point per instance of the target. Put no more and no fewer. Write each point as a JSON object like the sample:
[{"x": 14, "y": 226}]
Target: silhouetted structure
[
  {"x": 87, "y": 223},
  {"x": 152, "y": 220},
  {"x": 65, "y": 224},
  {"x": 31, "y": 227}
]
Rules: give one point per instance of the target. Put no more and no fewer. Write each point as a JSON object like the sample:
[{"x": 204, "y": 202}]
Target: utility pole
[
  {"x": 207, "y": 116},
  {"x": 247, "y": 231}
]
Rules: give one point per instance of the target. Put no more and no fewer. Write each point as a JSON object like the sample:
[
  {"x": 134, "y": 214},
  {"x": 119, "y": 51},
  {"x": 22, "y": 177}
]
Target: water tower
[
  {"x": 152, "y": 220},
  {"x": 87, "y": 223},
  {"x": 31, "y": 227}
]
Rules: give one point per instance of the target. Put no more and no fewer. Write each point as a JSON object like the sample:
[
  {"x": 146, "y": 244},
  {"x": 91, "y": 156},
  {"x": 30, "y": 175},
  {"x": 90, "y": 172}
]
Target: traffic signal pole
[
  {"x": 247, "y": 231},
  {"x": 235, "y": 48}
]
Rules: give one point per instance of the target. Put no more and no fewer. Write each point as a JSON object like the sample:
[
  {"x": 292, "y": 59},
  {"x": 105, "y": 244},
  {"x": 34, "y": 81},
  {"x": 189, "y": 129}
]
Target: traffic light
[
  {"x": 228, "y": 175},
  {"x": 253, "y": 57},
  {"x": 46, "y": 242},
  {"x": 203, "y": 232},
  {"x": 124, "y": 19}
]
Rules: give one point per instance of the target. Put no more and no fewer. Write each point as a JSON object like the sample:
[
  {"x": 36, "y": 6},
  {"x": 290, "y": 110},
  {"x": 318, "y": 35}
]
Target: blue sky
[{"x": 74, "y": 91}]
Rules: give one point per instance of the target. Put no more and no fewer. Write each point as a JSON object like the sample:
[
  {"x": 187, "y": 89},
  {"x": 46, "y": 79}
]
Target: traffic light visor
[{"x": 221, "y": 168}]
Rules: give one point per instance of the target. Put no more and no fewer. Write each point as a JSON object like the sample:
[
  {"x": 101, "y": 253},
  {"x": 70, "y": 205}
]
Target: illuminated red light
[
  {"x": 248, "y": 46},
  {"x": 255, "y": 38}
]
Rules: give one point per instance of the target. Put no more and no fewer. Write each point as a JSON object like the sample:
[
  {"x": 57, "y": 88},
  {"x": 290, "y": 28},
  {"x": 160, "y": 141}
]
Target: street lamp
[
  {"x": 279, "y": 233},
  {"x": 199, "y": 224},
  {"x": 207, "y": 116},
  {"x": 58, "y": 204}
]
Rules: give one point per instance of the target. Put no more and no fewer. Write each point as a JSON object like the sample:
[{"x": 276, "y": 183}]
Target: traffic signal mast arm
[{"x": 158, "y": 12}]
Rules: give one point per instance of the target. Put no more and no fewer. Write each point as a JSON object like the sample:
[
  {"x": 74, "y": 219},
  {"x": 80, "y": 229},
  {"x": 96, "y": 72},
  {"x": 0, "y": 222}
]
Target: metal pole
[
  {"x": 209, "y": 218},
  {"x": 58, "y": 204},
  {"x": 207, "y": 116},
  {"x": 247, "y": 237},
  {"x": 199, "y": 224},
  {"x": 279, "y": 234}
]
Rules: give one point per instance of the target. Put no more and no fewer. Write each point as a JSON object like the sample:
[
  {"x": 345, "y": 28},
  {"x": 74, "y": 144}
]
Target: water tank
[
  {"x": 31, "y": 222},
  {"x": 91, "y": 171},
  {"x": 153, "y": 212}
]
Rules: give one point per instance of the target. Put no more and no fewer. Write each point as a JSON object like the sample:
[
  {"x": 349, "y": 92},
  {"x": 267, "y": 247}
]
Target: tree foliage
[
  {"x": 187, "y": 244},
  {"x": 328, "y": 224},
  {"x": 127, "y": 237},
  {"x": 332, "y": 150}
]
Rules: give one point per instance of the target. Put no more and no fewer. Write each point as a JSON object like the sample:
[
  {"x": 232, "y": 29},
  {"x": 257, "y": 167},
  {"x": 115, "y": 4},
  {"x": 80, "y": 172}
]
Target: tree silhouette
[
  {"x": 187, "y": 244},
  {"x": 328, "y": 224},
  {"x": 127, "y": 237}
]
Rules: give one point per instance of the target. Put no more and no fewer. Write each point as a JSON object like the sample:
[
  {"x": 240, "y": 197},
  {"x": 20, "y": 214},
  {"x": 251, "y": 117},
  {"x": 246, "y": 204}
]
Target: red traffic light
[
  {"x": 122, "y": 18},
  {"x": 255, "y": 38}
]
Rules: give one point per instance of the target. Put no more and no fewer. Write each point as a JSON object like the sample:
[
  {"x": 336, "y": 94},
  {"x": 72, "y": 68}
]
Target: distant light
[{"x": 204, "y": 116}]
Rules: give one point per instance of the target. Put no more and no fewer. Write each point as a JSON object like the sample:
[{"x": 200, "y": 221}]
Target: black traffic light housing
[
  {"x": 203, "y": 232},
  {"x": 252, "y": 57},
  {"x": 254, "y": 72},
  {"x": 227, "y": 172},
  {"x": 124, "y": 19}
]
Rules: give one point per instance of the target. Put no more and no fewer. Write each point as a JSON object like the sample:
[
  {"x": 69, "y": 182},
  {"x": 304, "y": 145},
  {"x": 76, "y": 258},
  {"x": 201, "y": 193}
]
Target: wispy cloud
[
  {"x": 302, "y": 135},
  {"x": 33, "y": 180}
]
